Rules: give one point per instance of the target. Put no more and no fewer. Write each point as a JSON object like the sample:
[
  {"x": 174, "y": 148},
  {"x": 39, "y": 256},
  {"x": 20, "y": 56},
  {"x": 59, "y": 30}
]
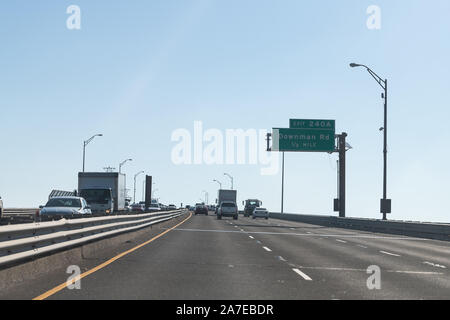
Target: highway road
[{"x": 206, "y": 258}]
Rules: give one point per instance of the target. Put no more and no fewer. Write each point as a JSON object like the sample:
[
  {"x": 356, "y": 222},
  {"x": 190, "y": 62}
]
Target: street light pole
[
  {"x": 125, "y": 177},
  {"x": 385, "y": 204},
  {"x": 229, "y": 176},
  {"x": 135, "y": 176},
  {"x": 206, "y": 196},
  {"x": 122, "y": 163},
  {"x": 220, "y": 183},
  {"x": 385, "y": 208},
  {"x": 85, "y": 143}
]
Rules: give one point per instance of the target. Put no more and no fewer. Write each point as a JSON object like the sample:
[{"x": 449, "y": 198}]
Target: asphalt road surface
[{"x": 206, "y": 258}]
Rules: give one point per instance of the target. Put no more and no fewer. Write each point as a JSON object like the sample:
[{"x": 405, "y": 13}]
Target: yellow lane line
[{"x": 104, "y": 264}]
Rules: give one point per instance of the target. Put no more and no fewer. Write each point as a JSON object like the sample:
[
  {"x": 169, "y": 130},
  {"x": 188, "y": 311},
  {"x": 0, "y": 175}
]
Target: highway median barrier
[{"x": 428, "y": 230}]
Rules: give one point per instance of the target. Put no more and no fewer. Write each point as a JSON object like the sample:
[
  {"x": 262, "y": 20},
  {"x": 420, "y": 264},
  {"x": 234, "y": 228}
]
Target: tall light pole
[
  {"x": 122, "y": 163},
  {"x": 385, "y": 204},
  {"x": 120, "y": 167},
  {"x": 229, "y": 176},
  {"x": 135, "y": 176},
  {"x": 220, "y": 183},
  {"x": 206, "y": 196},
  {"x": 153, "y": 192},
  {"x": 85, "y": 143}
]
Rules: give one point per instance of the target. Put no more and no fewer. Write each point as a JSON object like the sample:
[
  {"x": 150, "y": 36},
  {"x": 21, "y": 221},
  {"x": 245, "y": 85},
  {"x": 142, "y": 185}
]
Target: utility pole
[{"x": 282, "y": 185}]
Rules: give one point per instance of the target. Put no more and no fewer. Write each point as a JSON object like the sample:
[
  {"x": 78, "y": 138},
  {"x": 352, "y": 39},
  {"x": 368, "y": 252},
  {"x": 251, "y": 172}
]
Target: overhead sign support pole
[
  {"x": 341, "y": 151},
  {"x": 339, "y": 203},
  {"x": 310, "y": 135}
]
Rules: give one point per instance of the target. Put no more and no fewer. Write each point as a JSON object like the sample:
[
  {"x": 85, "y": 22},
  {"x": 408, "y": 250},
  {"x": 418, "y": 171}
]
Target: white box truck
[
  {"x": 226, "y": 204},
  {"x": 103, "y": 191},
  {"x": 226, "y": 195}
]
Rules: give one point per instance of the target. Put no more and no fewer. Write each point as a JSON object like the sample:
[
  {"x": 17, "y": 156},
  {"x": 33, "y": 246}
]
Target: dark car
[{"x": 201, "y": 208}]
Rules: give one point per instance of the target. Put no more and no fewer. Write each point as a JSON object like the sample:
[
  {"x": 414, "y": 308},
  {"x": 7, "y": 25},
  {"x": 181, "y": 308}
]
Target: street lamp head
[
  {"x": 138, "y": 174},
  {"x": 348, "y": 146},
  {"x": 353, "y": 65}
]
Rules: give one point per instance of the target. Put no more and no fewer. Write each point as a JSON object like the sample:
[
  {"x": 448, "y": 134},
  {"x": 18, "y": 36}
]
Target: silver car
[
  {"x": 65, "y": 207},
  {"x": 260, "y": 213},
  {"x": 154, "y": 207}
]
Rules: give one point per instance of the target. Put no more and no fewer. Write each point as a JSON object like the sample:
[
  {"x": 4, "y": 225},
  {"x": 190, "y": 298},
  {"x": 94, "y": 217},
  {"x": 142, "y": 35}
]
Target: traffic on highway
[{"x": 222, "y": 159}]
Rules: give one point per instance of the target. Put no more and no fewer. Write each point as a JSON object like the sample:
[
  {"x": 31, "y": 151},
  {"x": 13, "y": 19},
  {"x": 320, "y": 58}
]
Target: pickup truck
[{"x": 227, "y": 209}]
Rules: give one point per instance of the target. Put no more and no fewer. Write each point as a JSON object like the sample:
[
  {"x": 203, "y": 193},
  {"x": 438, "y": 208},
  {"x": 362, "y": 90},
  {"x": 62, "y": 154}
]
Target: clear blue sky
[{"x": 138, "y": 70}]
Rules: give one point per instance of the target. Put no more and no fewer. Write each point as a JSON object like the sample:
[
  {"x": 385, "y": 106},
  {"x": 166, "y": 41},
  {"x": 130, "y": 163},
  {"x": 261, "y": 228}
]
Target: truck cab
[
  {"x": 250, "y": 205},
  {"x": 105, "y": 192},
  {"x": 99, "y": 199}
]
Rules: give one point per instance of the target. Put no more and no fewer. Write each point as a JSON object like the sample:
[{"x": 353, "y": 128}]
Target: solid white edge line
[{"x": 304, "y": 276}]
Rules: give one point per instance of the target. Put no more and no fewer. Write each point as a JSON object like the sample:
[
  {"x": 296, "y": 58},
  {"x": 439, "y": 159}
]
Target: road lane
[
  {"x": 417, "y": 248},
  {"x": 206, "y": 258},
  {"x": 194, "y": 265}
]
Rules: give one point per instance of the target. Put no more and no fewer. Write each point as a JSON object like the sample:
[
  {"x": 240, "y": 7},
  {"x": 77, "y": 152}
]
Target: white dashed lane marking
[
  {"x": 267, "y": 249},
  {"x": 389, "y": 253},
  {"x": 435, "y": 265},
  {"x": 304, "y": 276}
]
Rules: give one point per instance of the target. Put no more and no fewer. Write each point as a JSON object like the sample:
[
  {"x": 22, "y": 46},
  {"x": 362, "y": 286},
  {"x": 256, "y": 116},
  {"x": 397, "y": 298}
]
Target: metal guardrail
[
  {"x": 18, "y": 212},
  {"x": 18, "y": 215},
  {"x": 19, "y": 242}
]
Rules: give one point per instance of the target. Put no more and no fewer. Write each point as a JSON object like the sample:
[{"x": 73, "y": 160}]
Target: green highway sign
[
  {"x": 312, "y": 124},
  {"x": 303, "y": 140}
]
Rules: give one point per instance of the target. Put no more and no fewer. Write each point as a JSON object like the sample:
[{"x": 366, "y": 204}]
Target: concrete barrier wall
[
  {"x": 36, "y": 267},
  {"x": 438, "y": 231}
]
